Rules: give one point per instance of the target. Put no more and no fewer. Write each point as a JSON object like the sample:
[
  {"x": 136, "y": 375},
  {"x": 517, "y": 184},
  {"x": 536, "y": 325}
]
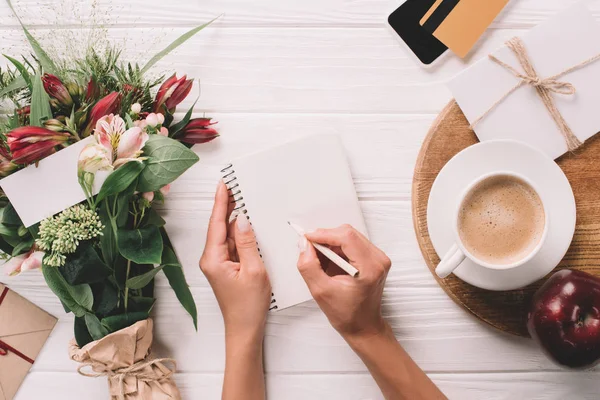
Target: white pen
[{"x": 327, "y": 252}]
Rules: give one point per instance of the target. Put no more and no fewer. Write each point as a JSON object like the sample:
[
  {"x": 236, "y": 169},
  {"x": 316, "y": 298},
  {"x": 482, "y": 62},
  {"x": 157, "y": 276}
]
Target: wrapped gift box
[
  {"x": 564, "y": 41},
  {"x": 24, "y": 328}
]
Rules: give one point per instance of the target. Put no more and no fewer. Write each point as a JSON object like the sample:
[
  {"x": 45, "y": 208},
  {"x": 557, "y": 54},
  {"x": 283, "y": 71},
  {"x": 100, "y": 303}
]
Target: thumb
[
  {"x": 245, "y": 242},
  {"x": 309, "y": 265}
]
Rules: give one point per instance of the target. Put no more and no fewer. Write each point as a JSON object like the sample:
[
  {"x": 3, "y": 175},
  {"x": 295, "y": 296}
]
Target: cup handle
[{"x": 450, "y": 261}]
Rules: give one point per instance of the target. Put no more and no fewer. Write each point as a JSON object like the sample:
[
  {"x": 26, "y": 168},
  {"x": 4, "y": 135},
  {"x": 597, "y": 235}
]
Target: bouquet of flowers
[{"x": 100, "y": 256}]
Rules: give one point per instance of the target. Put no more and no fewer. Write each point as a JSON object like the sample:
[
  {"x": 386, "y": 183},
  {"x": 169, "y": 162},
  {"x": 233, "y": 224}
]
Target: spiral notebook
[{"x": 307, "y": 182}]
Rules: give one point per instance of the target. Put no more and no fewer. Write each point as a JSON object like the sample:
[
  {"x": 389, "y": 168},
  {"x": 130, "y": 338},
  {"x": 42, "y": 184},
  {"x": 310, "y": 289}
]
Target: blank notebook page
[{"x": 307, "y": 182}]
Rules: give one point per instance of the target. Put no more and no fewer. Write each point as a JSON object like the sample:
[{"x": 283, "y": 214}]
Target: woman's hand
[
  {"x": 235, "y": 271},
  {"x": 352, "y": 305}
]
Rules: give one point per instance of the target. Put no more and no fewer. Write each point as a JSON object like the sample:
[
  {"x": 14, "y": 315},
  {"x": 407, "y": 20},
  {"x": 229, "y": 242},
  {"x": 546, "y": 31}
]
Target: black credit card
[{"x": 406, "y": 22}]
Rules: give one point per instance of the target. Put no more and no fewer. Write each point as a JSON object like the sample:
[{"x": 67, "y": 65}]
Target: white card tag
[{"x": 51, "y": 187}]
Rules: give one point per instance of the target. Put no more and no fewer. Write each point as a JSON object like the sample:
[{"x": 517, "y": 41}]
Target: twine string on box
[{"x": 544, "y": 87}]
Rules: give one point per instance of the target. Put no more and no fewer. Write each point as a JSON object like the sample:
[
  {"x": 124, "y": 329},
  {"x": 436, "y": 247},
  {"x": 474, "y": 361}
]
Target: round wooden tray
[{"x": 507, "y": 311}]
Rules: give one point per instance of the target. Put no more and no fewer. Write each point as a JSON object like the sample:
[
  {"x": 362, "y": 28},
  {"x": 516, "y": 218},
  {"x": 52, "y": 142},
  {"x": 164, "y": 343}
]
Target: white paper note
[
  {"x": 563, "y": 41},
  {"x": 51, "y": 187}
]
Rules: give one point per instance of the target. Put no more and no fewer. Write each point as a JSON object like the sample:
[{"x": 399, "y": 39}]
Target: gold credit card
[{"x": 460, "y": 23}]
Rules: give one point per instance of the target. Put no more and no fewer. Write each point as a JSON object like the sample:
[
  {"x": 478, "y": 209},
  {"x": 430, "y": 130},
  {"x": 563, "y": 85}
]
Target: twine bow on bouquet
[
  {"x": 545, "y": 87},
  {"x": 124, "y": 358}
]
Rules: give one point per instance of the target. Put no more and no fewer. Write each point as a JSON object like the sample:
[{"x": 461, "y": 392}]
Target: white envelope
[
  {"x": 563, "y": 41},
  {"x": 51, "y": 187}
]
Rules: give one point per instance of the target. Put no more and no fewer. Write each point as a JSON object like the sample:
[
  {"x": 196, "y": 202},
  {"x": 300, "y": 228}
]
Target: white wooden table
[{"x": 274, "y": 70}]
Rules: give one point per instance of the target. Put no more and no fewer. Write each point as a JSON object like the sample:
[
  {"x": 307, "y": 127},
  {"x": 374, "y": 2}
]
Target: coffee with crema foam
[{"x": 501, "y": 220}]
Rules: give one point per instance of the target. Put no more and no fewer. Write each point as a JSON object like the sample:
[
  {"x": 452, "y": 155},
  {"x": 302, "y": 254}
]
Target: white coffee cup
[{"x": 458, "y": 253}]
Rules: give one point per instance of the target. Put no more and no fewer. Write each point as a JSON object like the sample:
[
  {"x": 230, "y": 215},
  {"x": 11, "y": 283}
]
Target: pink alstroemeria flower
[
  {"x": 24, "y": 262},
  {"x": 121, "y": 145}
]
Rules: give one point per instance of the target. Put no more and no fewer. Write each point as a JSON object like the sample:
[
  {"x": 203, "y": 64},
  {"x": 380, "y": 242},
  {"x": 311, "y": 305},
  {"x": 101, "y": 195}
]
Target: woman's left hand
[{"x": 235, "y": 271}]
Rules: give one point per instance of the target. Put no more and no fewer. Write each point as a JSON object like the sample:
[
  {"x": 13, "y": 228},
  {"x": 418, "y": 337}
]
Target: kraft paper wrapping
[{"x": 124, "y": 357}]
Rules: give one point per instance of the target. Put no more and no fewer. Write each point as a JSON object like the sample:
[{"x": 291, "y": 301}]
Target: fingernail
[
  {"x": 242, "y": 223},
  {"x": 302, "y": 244}
]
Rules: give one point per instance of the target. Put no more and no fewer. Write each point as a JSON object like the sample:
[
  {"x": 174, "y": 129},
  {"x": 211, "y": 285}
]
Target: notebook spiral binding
[{"x": 231, "y": 181}]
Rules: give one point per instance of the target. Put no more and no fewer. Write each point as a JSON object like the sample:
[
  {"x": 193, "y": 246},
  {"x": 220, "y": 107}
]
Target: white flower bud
[
  {"x": 161, "y": 118},
  {"x": 136, "y": 108},
  {"x": 152, "y": 120}
]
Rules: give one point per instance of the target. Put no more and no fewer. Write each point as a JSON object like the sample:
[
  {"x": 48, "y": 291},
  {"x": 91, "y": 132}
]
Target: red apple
[{"x": 565, "y": 318}]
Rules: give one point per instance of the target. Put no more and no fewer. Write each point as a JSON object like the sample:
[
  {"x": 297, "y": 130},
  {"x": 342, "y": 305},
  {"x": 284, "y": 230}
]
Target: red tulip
[
  {"x": 198, "y": 130},
  {"x": 29, "y": 144},
  {"x": 93, "y": 91},
  {"x": 57, "y": 90},
  {"x": 109, "y": 104},
  {"x": 6, "y": 165},
  {"x": 172, "y": 92}
]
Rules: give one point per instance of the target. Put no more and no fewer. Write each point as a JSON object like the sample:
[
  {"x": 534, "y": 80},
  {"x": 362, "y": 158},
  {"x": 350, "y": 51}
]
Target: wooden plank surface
[{"x": 272, "y": 71}]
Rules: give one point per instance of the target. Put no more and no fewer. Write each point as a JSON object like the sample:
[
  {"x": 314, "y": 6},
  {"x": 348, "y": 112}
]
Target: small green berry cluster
[{"x": 60, "y": 235}]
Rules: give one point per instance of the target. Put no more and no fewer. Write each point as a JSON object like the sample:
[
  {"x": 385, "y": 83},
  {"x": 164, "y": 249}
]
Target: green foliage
[
  {"x": 174, "y": 272},
  {"x": 140, "y": 281},
  {"x": 41, "y": 55},
  {"x": 141, "y": 304},
  {"x": 95, "y": 328},
  {"x": 142, "y": 246},
  {"x": 176, "y": 43},
  {"x": 40, "y": 103},
  {"x": 84, "y": 266},
  {"x": 79, "y": 299},
  {"x": 120, "y": 180},
  {"x": 106, "y": 298},
  {"x": 175, "y": 129},
  {"x": 82, "y": 336},
  {"x": 22, "y": 70},
  {"x": 167, "y": 160},
  {"x": 152, "y": 218},
  {"x": 118, "y": 322}
]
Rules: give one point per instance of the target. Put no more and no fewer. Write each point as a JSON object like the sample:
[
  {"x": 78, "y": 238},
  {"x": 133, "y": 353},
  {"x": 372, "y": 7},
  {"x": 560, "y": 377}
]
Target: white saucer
[{"x": 511, "y": 156}]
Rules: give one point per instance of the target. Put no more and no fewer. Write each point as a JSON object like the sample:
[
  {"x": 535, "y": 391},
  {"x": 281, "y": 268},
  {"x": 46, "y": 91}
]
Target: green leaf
[
  {"x": 118, "y": 322},
  {"x": 43, "y": 58},
  {"x": 5, "y": 247},
  {"x": 120, "y": 180},
  {"x": 17, "y": 84},
  {"x": 82, "y": 336},
  {"x": 142, "y": 246},
  {"x": 108, "y": 241},
  {"x": 22, "y": 70},
  {"x": 95, "y": 328},
  {"x": 141, "y": 304},
  {"x": 178, "y": 42},
  {"x": 34, "y": 230},
  {"x": 167, "y": 160},
  {"x": 79, "y": 299},
  {"x": 9, "y": 231},
  {"x": 140, "y": 281},
  {"x": 153, "y": 218},
  {"x": 84, "y": 266},
  {"x": 9, "y": 216},
  {"x": 128, "y": 121},
  {"x": 22, "y": 247},
  {"x": 40, "y": 103},
  {"x": 122, "y": 212},
  {"x": 175, "y": 129},
  {"x": 174, "y": 272},
  {"x": 106, "y": 298}
]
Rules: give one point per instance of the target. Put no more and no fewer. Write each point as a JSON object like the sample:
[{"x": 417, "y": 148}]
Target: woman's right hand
[{"x": 352, "y": 304}]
